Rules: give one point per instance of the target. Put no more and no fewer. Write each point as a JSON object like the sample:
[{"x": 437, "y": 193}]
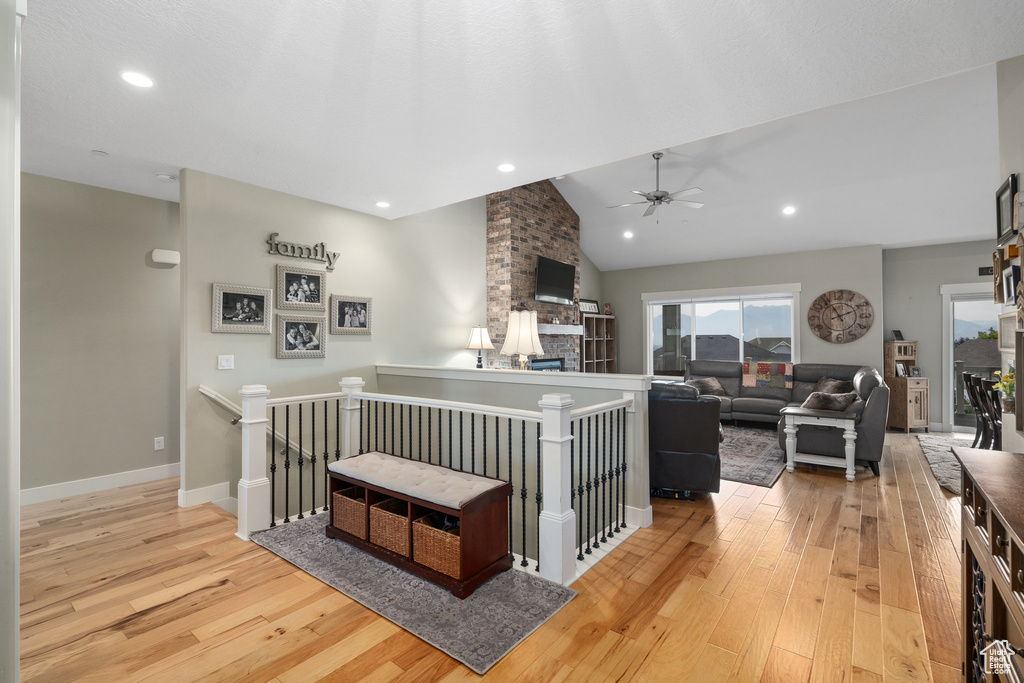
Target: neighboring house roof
[
  {"x": 978, "y": 353},
  {"x": 727, "y": 347}
]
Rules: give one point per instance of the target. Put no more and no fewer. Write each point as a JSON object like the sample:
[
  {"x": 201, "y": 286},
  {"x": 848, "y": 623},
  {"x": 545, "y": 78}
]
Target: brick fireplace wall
[{"x": 523, "y": 223}]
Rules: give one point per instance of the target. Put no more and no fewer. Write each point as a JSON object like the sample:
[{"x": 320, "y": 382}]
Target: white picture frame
[
  {"x": 294, "y": 335},
  {"x": 351, "y": 314},
  {"x": 240, "y": 309},
  {"x": 301, "y": 289}
]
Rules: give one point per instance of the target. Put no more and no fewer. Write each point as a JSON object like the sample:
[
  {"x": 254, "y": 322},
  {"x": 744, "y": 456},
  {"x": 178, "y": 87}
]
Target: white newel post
[
  {"x": 253, "y": 487},
  {"x": 556, "y": 545},
  {"x": 639, "y": 512},
  {"x": 349, "y": 436}
]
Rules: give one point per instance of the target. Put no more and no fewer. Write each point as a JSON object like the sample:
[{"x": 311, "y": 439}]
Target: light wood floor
[{"x": 813, "y": 579}]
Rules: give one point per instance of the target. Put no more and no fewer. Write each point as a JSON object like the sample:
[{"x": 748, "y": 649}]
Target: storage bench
[{"x": 392, "y": 507}]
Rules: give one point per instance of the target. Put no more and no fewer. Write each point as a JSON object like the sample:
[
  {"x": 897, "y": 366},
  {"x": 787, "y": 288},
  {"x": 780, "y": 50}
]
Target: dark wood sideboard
[{"x": 992, "y": 533}]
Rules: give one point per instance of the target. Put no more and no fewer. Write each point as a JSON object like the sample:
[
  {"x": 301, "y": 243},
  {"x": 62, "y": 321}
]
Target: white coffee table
[{"x": 795, "y": 418}]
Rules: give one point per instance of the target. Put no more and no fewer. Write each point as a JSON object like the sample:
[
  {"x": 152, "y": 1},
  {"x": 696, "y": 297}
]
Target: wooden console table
[{"x": 992, "y": 533}]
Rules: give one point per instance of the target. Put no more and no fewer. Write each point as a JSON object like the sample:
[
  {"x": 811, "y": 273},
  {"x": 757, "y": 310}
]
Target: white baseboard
[
  {"x": 641, "y": 517},
  {"x": 42, "y": 494},
  {"x": 207, "y": 494}
]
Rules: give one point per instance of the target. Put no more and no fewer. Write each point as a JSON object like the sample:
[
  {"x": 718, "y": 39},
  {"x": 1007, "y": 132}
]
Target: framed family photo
[
  {"x": 351, "y": 314},
  {"x": 1005, "y": 227},
  {"x": 300, "y": 336},
  {"x": 300, "y": 288},
  {"x": 241, "y": 309}
]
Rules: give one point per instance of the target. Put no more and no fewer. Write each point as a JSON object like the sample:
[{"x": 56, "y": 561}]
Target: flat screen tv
[{"x": 556, "y": 281}]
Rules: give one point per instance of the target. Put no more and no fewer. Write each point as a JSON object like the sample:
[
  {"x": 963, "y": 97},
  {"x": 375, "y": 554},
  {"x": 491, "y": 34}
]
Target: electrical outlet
[{"x": 158, "y": 443}]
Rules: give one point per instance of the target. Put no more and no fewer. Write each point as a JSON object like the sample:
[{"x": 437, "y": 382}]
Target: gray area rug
[
  {"x": 477, "y": 631},
  {"x": 940, "y": 458},
  {"x": 752, "y": 456}
]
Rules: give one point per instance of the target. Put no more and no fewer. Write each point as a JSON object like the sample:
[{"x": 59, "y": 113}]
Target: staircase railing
[{"x": 567, "y": 467}]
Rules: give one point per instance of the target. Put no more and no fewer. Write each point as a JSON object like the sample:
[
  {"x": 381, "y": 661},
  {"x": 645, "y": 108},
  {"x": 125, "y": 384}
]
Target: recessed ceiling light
[
  {"x": 382, "y": 205},
  {"x": 628, "y": 234},
  {"x": 506, "y": 168},
  {"x": 789, "y": 210},
  {"x": 166, "y": 177},
  {"x": 559, "y": 177},
  {"x": 137, "y": 79}
]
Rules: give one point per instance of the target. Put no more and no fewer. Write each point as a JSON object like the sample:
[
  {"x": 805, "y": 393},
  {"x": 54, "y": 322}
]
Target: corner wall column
[{"x": 254, "y": 486}]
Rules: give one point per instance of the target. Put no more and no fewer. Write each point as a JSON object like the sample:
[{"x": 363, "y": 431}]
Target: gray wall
[
  {"x": 856, "y": 268},
  {"x": 425, "y": 273},
  {"x": 590, "y": 279},
  {"x": 103, "y": 321},
  {"x": 1010, "y": 87},
  {"x": 913, "y": 305},
  {"x": 9, "y": 285}
]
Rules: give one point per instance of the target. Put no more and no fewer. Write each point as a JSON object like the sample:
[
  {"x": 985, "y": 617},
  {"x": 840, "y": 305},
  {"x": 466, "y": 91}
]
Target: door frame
[{"x": 949, "y": 292}]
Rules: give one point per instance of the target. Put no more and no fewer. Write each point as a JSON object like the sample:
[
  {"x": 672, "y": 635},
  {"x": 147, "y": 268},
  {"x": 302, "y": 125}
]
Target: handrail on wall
[{"x": 223, "y": 402}]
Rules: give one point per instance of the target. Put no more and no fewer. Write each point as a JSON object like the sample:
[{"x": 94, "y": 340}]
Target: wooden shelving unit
[
  {"x": 598, "y": 350},
  {"x": 909, "y": 404}
]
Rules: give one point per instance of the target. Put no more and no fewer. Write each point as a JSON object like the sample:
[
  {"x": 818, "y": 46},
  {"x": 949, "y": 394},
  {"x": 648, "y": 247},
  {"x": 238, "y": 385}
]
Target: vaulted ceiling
[{"x": 416, "y": 104}]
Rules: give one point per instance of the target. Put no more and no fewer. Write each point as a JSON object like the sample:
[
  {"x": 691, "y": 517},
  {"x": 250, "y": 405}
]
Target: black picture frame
[
  {"x": 897, "y": 335},
  {"x": 1011, "y": 278},
  {"x": 590, "y": 306},
  {"x": 1005, "y": 229},
  {"x": 901, "y": 369}
]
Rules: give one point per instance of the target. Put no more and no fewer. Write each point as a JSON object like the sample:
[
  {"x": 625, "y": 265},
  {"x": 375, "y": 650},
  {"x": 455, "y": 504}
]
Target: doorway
[{"x": 975, "y": 344}]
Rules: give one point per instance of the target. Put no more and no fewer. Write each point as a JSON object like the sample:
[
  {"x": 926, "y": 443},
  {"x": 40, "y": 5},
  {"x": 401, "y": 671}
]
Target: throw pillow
[
  {"x": 707, "y": 385},
  {"x": 820, "y": 400},
  {"x": 774, "y": 375},
  {"x": 828, "y": 385}
]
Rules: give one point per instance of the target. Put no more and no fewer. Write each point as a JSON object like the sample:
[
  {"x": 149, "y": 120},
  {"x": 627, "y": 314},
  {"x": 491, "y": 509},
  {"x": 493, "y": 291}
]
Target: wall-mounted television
[{"x": 556, "y": 281}]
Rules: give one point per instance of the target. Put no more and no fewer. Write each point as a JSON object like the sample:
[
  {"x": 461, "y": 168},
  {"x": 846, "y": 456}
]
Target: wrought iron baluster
[
  {"x": 376, "y": 427},
  {"x": 513, "y": 489},
  {"x": 622, "y": 484},
  {"x": 327, "y": 502},
  {"x": 287, "y": 460},
  {"x": 462, "y": 441},
  {"x": 449, "y": 437},
  {"x": 604, "y": 477},
  {"x": 483, "y": 440},
  {"x": 522, "y": 489},
  {"x": 361, "y": 402},
  {"x": 273, "y": 463},
  {"x": 300, "y": 458},
  {"x": 392, "y": 432},
  {"x": 472, "y": 443},
  {"x": 312, "y": 459},
  {"x": 572, "y": 487},
  {"x": 615, "y": 487},
  {"x": 430, "y": 440},
  {"x": 419, "y": 434},
  {"x": 590, "y": 443}
]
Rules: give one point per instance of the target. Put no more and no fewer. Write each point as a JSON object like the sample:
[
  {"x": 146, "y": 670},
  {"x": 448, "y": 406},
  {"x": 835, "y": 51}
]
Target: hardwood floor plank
[
  {"x": 753, "y": 653},
  {"x": 904, "y": 650},
  {"x": 785, "y": 667},
  {"x": 897, "y": 586},
  {"x": 798, "y": 629},
  {"x": 833, "y": 651},
  {"x": 867, "y": 642}
]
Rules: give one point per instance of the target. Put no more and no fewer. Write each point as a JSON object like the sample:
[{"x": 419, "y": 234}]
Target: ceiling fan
[{"x": 660, "y": 196}]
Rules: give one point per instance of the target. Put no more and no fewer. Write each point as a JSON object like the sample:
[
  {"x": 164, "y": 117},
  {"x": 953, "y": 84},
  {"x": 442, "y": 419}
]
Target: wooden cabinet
[
  {"x": 598, "y": 350},
  {"x": 909, "y": 397},
  {"x": 992, "y": 565}
]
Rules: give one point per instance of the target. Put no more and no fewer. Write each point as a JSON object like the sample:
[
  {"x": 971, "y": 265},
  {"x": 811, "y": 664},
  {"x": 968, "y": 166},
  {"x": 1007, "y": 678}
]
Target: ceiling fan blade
[
  {"x": 684, "y": 202},
  {"x": 686, "y": 193},
  {"x": 650, "y": 209},
  {"x": 617, "y": 206},
  {"x": 645, "y": 195}
]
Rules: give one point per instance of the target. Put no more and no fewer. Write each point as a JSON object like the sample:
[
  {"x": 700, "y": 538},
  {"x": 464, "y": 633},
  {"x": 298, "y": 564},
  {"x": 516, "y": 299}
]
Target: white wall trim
[
  {"x": 948, "y": 292},
  {"x": 42, "y": 494},
  {"x": 721, "y": 292},
  {"x": 218, "y": 493},
  {"x": 588, "y": 380}
]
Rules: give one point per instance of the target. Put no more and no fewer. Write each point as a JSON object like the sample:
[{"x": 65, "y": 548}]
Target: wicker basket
[
  {"x": 389, "y": 525},
  {"x": 349, "y": 514},
  {"x": 436, "y": 549}
]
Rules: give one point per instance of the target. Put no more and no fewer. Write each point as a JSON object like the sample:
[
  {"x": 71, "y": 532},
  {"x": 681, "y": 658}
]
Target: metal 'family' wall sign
[{"x": 314, "y": 252}]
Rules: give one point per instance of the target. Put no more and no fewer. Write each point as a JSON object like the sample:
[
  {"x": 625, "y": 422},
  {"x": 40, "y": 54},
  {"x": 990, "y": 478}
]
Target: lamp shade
[
  {"x": 521, "y": 336},
  {"x": 480, "y": 339}
]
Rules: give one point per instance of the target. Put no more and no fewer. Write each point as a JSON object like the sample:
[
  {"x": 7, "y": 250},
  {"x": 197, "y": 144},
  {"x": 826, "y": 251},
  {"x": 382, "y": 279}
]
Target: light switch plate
[{"x": 225, "y": 362}]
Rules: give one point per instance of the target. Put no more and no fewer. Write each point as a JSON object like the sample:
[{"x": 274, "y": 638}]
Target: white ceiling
[{"x": 416, "y": 103}]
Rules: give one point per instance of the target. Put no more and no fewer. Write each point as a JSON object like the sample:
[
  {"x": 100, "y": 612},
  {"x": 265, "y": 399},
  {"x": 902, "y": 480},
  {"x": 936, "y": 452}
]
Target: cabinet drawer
[{"x": 917, "y": 383}]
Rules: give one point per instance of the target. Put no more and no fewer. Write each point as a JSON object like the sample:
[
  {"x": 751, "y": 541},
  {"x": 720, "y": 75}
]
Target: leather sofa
[
  {"x": 872, "y": 412},
  {"x": 684, "y": 432}
]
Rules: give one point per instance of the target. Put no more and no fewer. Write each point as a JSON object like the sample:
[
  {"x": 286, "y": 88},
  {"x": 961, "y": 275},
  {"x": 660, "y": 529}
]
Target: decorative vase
[{"x": 1009, "y": 405}]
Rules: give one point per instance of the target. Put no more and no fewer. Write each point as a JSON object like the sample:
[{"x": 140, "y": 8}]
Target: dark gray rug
[
  {"x": 477, "y": 631},
  {"x": 752, "y": 456},
  {"x": 940, "y": 458}
]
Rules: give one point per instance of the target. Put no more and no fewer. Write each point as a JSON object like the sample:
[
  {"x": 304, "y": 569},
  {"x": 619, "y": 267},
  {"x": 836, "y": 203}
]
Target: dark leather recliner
[
  {"x": 872, "y": 412},
  {"x": 684, "y": 433}
]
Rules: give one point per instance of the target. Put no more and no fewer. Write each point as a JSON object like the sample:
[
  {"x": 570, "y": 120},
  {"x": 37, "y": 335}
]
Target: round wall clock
[{"x": 840, "y": 316}]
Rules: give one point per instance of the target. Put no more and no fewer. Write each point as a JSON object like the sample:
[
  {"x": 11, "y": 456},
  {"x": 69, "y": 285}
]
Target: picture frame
[
  {"x": 1007, "y": 331},
  {"x": 901, "y": 368},
  {"x": 1011, "y": 278},
  {"x": 607, "y": 308},
  {"x": 589, "y": 306},
  {"x": 915, "y": 371},
  {"x": 240, "y": 309},
  {"x": 1018, "y": 212},
  {"x": 291, "y": 330},
  {"x": 300, "y": 289},
  {"x": 548, "y": 364},
  {"x": 1005, "y": 225},
  {"x": 998, "y": 295},
  {"x": 351, "y": 314},
  {"x": 897, "y": 335}
]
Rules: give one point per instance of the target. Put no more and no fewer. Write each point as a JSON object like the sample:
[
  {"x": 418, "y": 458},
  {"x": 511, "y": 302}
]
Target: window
[{"x": 754, "y": 326}]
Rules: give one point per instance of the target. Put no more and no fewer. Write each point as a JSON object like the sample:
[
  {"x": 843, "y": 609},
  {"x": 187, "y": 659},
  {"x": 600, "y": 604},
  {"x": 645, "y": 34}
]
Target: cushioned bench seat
[{"x": 431, "y": 483}]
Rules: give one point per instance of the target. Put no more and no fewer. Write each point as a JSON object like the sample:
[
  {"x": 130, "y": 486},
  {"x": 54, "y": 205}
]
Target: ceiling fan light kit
[{"x": 660, "y": 196}]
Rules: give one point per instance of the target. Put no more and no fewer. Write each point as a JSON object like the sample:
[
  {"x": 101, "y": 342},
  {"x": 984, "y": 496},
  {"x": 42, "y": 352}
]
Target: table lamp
[
  {"x": 521, "y": 336},
  {"x": 479, "y": 340}
]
